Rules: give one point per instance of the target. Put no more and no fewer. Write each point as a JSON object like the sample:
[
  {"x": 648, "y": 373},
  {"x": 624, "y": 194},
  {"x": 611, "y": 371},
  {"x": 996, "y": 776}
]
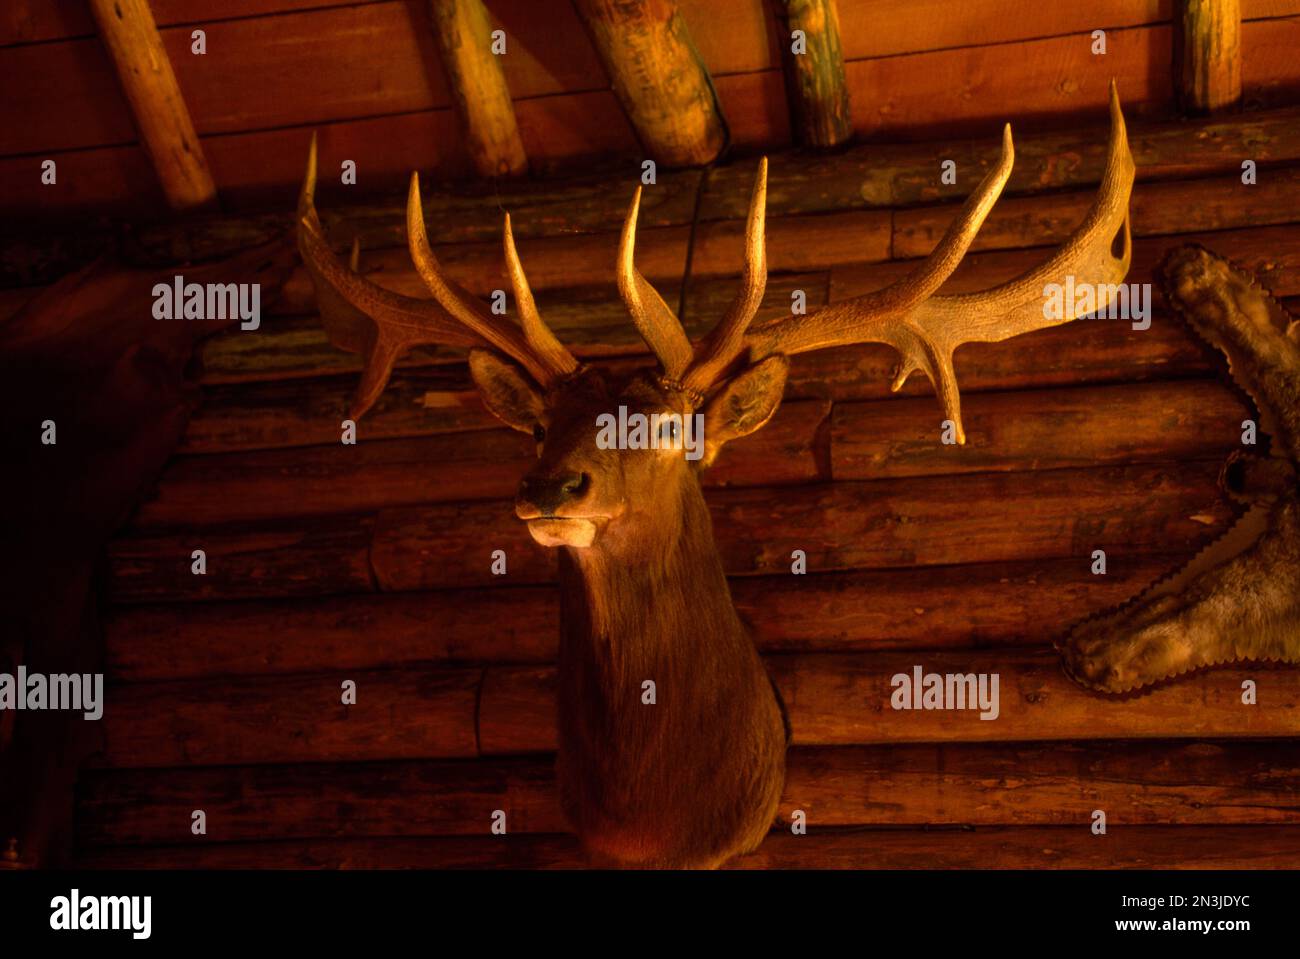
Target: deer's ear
[
  {"x": 506, "y": 390},
  {"x": 744, "y": 404}
]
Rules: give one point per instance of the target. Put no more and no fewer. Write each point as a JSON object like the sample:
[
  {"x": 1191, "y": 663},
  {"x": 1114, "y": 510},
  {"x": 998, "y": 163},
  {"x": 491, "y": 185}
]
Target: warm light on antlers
[{"x": 909, "y": 315}]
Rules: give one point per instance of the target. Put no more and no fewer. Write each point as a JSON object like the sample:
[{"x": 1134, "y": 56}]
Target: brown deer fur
[{"x": 648, "y": 601}]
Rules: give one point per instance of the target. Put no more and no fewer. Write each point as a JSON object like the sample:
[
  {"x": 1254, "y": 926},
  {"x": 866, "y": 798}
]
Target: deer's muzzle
[{"x": 552, "y": 504}]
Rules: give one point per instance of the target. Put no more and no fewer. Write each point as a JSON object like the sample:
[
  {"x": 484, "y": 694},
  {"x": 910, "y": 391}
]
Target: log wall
[{"x": 371, "y": 563}]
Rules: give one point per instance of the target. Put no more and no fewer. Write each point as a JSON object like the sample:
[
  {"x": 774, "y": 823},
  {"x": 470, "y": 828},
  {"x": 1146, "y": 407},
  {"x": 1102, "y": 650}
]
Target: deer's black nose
[{"x": 549, "y": 493}]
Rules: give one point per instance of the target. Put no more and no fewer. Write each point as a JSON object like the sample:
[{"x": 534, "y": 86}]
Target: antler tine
[
  {"x": 307, "y": 194},
  {"x": 657, "y": 324},
  {"x": 1090, "y": 250},
  {"x": 926, "y": 329},
  {"x": 1097, "y": 255},
  {"x": 360, "y": 316},
  {"x": 457, "y": 301},
  {"x": 842, "y": 323},
  {"x": 727, "y": 339},
  {"x": 365, "y": 318},
  {"x": 548, "y": 350}
]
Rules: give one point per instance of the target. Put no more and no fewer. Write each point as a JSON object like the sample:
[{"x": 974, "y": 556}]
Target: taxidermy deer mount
[{"x": 694, "y": 778}]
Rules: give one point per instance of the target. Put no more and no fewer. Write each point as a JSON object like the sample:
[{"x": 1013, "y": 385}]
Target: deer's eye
[
  {"x": 669, "y": 431},
  {"x": 539, "y": 432}
]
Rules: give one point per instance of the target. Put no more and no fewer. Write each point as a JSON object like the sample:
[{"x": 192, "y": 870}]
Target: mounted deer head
[{"x": 672, "y": 738}]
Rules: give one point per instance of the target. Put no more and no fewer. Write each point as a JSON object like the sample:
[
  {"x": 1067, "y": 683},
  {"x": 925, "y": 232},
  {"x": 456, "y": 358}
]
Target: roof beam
[
  {"x": 478, "y": 86},
  {"x": 659, "y": 78},
  {"x": 1207, "y": 56},
  {"x": 819, "y": 95},
  {"x": 128, "y": 30}
]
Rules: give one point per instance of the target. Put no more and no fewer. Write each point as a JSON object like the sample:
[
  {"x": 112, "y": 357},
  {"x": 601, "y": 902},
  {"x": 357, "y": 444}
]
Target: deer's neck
[
  {"x": 656, "y": 592},
  {"x": 665, "y": 713}
]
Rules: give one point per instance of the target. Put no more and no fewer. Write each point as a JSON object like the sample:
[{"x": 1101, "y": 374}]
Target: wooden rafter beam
[
  {"x": 1207, "y": 62},
  {"x": 478, "y": 86},
  {"x": 819, "y": 95},
  {"x": 659, "y": 78},
  {"x": 131, "y": 36}
]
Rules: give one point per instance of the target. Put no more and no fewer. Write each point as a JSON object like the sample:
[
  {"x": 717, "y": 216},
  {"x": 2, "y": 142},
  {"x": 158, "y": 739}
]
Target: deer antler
[
  {"x": 362, "y": 317},
  {"x": 685, "y": 367},
  {"x": 924, "y": 328}
]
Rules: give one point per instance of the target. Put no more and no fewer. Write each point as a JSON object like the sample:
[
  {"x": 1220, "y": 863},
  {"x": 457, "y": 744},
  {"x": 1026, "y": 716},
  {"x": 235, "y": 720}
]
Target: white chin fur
[{"x": 563, "y": 532}]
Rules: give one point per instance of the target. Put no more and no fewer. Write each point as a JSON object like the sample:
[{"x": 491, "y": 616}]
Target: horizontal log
[
  {"x": 1136, "y": 783},
  {"x": 563, "y": 260},
  {"x": 468, "y": 213},
  {"x": 906, "y": 174},
  {"x": 1267, "y": 251},
  {"x": 446, "y": 852},
  {"x": 319, "y": 558},
  {"x": 795, "y": 242},
  {"x": 414, "y": 713},
  {"x": 800, "y": 242},
  {"x": 385, "y": 149},
  {"x": 592, "y": 321},
  {"x": 1050, "y": 847},
  {"x": 299, "y": 347},
  {"x": 922, "y": 521},
  {"x": 445, "y": 468},
  {"x": 1008, "y": 847},
  {"x": 1040, "y": 429},
  {"x": 1157, "y": 208},
  {"x": 1096, "y": 351},
  {"x": 516, "y": 624},
  {"x": 881, "y": 175},
  {"x": 274, "y": 414},
  {"x": 249, "y": 803},
  {"x": 833, "y": 700},
  {"x": 440, "y": 398},
  {"x": 845, "y": 700},
  {"x": 981, "y": 604}
]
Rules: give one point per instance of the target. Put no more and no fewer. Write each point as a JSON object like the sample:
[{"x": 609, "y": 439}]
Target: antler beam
[
  {"x": 362, "y": 317},
  {"x": 925, "y": 329}
]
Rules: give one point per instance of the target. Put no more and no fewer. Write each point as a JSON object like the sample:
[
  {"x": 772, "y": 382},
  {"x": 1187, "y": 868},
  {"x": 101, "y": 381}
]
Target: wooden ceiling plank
[{"x": 131, "y": 36}]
